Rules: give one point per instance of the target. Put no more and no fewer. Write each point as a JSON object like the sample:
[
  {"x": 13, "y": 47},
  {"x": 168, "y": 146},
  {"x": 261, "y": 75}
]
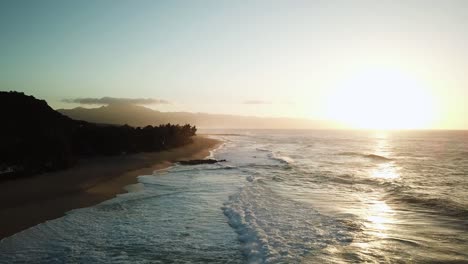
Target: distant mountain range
[{"x": 135, "y": 115}]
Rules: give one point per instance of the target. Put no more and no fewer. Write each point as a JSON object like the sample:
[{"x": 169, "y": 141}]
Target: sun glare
[{"x": 381, "y": 100}]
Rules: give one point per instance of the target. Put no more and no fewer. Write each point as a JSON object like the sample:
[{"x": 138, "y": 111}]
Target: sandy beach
[{"x": 30, "y": 201}]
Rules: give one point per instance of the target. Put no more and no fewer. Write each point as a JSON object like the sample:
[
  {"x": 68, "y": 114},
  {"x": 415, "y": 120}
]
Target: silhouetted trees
[
  {"x": 89, "y": 139},
  {"x": 34, "y": 138}
]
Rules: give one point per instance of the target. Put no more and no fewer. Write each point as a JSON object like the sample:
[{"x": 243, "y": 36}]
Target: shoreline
[{"x": 30, "y": 201}]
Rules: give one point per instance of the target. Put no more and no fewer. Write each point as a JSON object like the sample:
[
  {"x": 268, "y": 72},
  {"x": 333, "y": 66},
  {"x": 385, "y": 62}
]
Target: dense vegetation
[{"x": 34, "y": 138}]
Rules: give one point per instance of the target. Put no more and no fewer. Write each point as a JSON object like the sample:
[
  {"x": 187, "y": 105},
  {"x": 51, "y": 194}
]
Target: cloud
[
  {"x": 112, "y": 100},
  {"x": 256, "y": 102}
]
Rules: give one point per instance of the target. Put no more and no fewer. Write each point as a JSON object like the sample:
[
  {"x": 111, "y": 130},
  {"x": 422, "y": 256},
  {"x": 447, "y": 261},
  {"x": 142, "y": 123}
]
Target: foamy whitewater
[{"x": 281, "y": 197}]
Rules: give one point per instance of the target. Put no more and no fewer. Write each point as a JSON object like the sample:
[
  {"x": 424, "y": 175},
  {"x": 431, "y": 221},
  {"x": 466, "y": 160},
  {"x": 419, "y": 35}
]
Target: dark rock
[{"x": 198, "y": 162}]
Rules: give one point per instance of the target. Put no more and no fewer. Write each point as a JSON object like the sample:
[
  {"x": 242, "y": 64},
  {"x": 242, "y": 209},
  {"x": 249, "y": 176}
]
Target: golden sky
[{"x": 369, "y": 64}]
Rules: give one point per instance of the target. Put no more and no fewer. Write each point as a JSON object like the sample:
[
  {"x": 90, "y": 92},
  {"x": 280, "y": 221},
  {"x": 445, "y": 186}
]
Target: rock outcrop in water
[
  {"x": 198, "y": 162},
  {"x": 34, "y": 138}
]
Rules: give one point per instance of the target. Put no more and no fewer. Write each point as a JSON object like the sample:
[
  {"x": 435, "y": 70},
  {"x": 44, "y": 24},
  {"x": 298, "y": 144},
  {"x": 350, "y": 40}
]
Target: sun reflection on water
[
  {"x": 387, "y": 169},
  {"x": 379, "y": 215}
]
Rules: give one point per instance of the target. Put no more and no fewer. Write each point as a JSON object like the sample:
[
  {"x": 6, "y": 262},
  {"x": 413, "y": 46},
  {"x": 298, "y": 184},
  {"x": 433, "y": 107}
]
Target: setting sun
[{"x": 381, "y": 99}]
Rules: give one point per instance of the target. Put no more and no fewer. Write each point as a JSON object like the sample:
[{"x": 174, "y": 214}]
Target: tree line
[{"x": 34, "y": 138}]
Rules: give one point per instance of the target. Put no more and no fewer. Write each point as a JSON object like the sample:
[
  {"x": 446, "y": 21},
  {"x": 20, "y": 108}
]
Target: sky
[{"x": 371, "y": 64}]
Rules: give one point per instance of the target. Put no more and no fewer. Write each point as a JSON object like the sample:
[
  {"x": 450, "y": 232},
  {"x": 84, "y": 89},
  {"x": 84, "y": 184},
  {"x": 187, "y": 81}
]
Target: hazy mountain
[{"x": 135, "y": 115}]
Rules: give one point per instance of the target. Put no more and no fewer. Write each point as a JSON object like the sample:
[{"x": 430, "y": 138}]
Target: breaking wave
[
  {"x": 273, "y": 229},
  {"x": 368, "y": 156}
]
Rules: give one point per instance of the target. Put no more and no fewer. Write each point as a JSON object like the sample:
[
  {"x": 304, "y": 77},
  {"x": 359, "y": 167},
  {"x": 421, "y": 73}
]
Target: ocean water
[{"x": 281, "y": 197}]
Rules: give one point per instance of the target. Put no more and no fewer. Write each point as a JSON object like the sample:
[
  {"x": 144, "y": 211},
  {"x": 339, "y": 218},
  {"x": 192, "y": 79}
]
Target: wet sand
[{"x": 30, "y": 201}]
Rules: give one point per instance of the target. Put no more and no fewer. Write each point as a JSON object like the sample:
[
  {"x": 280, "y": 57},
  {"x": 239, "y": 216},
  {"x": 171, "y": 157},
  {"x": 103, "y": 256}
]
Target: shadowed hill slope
[{"x": 35, "y": 138}]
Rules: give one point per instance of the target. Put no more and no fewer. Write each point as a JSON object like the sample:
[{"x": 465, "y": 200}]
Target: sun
[{"x": 381, "y": 99}]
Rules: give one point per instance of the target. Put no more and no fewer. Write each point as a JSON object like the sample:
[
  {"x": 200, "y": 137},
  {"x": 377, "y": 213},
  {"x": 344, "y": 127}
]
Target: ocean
[{"x": 280, "y": 197}]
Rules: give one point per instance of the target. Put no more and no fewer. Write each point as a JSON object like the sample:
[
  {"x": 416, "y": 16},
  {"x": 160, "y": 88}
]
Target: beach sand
[{"x": 30, "y": 201}]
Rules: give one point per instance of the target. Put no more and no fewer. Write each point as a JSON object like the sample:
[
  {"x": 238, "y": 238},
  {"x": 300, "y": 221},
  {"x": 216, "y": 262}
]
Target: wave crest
[
  {"x": 374, "y": 157},
  {"x": 267, "y": 232}
]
